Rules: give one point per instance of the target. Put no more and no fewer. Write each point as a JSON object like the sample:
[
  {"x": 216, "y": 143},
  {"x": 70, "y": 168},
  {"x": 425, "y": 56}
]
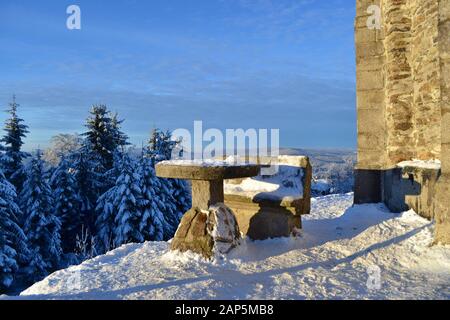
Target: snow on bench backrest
[{"x": 285, "y": 185}]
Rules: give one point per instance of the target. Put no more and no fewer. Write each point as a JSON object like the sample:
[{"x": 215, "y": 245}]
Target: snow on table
[
  {"x": 329, "y": 260},
  {"x": 229, "y": 162}
]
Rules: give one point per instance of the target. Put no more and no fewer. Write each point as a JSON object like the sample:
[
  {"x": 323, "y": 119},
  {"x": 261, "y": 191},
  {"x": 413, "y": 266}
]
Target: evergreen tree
[
  {"x": 120, "y": 215},
  {"x": 161, "y": 145},
  {"x": 13, "y": 242},
  {"x": 182, "y": 196},
  {"x": 89, "y": 181},
  {"x": 12, "y": 156},
  {"x": 41, "y": 226},
  {"x": 103, "y": 137},
  {"x": 167, "y": 204},
  {"x": 120, "y": 138},
  {"x": 153, "y": 223},
  {"x": 174, "y": 193},
  {"x": 67, "y": 204}
]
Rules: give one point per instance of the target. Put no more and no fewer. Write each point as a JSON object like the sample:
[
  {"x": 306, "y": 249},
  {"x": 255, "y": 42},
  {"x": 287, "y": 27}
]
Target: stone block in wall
[
  {"x": 370, "y": 121},
  {"x": 445, "y": 130},
  {"x": 442, "y": 204},
  {"x": 362, "y": 5},
  {"x": 369, "y": 49},
  {"x": 363, "y": 35},
  {"x": 445, "y": 155},
  {"x": 370, "y": 63},
  {"x": 372, "y": 159},
  {"x": 370, "y": 139},
  {"x": 369, "y": 80},
  {"x": 371, "y": 99}
]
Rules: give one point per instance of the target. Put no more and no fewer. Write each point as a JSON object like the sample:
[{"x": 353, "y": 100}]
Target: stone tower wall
[
  {"x": 398, "y": 76},
  {"x": 403, "y": 80}
]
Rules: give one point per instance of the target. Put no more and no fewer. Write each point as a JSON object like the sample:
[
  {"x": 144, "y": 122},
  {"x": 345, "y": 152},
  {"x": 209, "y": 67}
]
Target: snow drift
[{"x": 334, "y": 258}]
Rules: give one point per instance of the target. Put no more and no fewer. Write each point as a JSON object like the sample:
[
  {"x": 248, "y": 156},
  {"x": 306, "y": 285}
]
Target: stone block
[
  {"x": 442, "y": 203},
  {"x": 369, "y": 80},
  {"x": 207, "y": 232},
  {"x": 371, "y": 99},
  {"x": 369, "y": 49},
  {"x": 370, "y": 120}
]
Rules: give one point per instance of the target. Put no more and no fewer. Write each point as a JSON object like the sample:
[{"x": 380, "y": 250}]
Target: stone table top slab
[{"x": 207, "y": 170}]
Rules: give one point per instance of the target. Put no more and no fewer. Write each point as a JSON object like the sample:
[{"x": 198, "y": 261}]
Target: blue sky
[{"x": 286, "y": 64}]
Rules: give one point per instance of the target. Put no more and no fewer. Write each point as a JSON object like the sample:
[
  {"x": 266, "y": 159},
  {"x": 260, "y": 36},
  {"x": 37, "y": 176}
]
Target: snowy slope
[{"x": 330, "y": 260}]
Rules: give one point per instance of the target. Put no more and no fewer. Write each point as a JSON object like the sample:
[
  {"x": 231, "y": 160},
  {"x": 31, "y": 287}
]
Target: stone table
[
  {"x": 207, "y": 177},
  {"x": 209, "y": 225}
]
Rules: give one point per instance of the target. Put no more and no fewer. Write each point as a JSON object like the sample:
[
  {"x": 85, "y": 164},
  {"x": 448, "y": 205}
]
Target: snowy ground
[{"x": 330, "y": 260}]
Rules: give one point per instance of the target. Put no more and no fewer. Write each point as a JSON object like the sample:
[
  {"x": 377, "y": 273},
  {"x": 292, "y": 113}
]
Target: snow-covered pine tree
[
  {"x": 110, "y": 177},
  {"x": 120, "y": 215},
  {"x": 120, "y": 138},
  {"x": 67, "y": 204},
  {"x": 41, "y": 226},
  {"x": 103, "y": 137},
  {"x": 89, "y": 180},
  {"x": 161, "y": 145},
  {"x": 153, "y": 223},
  {"x": 167, "y": 204},
  {"x": 105, "y": 222},
  {"x": 174, "y": 193},
  {"x": 182, "y": 196},
  {"x": 12, "y": 156},
  {"x": 13, "y": 242},
  {"x": 129, "y": 202}
]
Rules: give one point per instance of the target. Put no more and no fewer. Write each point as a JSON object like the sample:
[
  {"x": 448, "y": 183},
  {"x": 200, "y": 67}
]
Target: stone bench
[
  {"x": 412, "y": 185},
  {"x": 272, "y": 206}
]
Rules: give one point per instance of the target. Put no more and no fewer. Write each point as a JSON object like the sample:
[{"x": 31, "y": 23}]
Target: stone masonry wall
[
  {"x": 398, "y": 83},
  {"x": 426, "y": 78},
  {"x": 399, "y": 118},
  {"x": 443, "y": 193},
  {"x": 403, "y": 96},
  {"x": 370, "y": 60}
]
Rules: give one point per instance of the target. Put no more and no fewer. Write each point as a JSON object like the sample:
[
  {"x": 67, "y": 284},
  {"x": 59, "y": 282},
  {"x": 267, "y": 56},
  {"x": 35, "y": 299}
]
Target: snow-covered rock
[
  {"x": 344, "y": 252},
  {"x": 207, "y": 232},
  {"x": 224, "y": 228}
]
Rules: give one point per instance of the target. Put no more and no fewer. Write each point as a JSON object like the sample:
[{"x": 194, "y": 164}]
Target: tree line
[{"x": 95, "y": 197}]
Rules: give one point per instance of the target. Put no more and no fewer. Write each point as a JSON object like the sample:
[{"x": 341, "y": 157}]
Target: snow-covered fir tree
[
  {"x": 103, "y": 136},
  {"x": 120, "y": 216},
  {"x": 13, "y": 242},
  {"x": 182, "y": 197},
  {"x": 89, "y": 180},
  {"x": 161, "y": 145},
  {"x": 12, "y": 155},
  {"x": 67, "y": 204},
  {"x": 41, "y": 226},
  {"x": 120, "y": 138},
  {"x": 153, "y": 223},
  {"x": 167, "y": 204},
  {"x": 173, "y": 193}
]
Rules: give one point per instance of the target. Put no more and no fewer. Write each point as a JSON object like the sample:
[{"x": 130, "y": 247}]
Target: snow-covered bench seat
[{"x": 269, "y": 206}]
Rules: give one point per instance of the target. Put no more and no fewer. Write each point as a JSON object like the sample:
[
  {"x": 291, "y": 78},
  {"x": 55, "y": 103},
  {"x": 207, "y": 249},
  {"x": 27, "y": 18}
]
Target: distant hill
[{"x": 334, "y": 165}]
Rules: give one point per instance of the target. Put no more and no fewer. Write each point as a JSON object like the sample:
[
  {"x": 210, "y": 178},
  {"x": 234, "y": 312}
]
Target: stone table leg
[{"x": 206, "y": 193}]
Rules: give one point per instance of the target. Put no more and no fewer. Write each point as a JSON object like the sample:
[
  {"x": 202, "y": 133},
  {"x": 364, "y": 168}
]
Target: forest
[{"x": 87, "y": 195}]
